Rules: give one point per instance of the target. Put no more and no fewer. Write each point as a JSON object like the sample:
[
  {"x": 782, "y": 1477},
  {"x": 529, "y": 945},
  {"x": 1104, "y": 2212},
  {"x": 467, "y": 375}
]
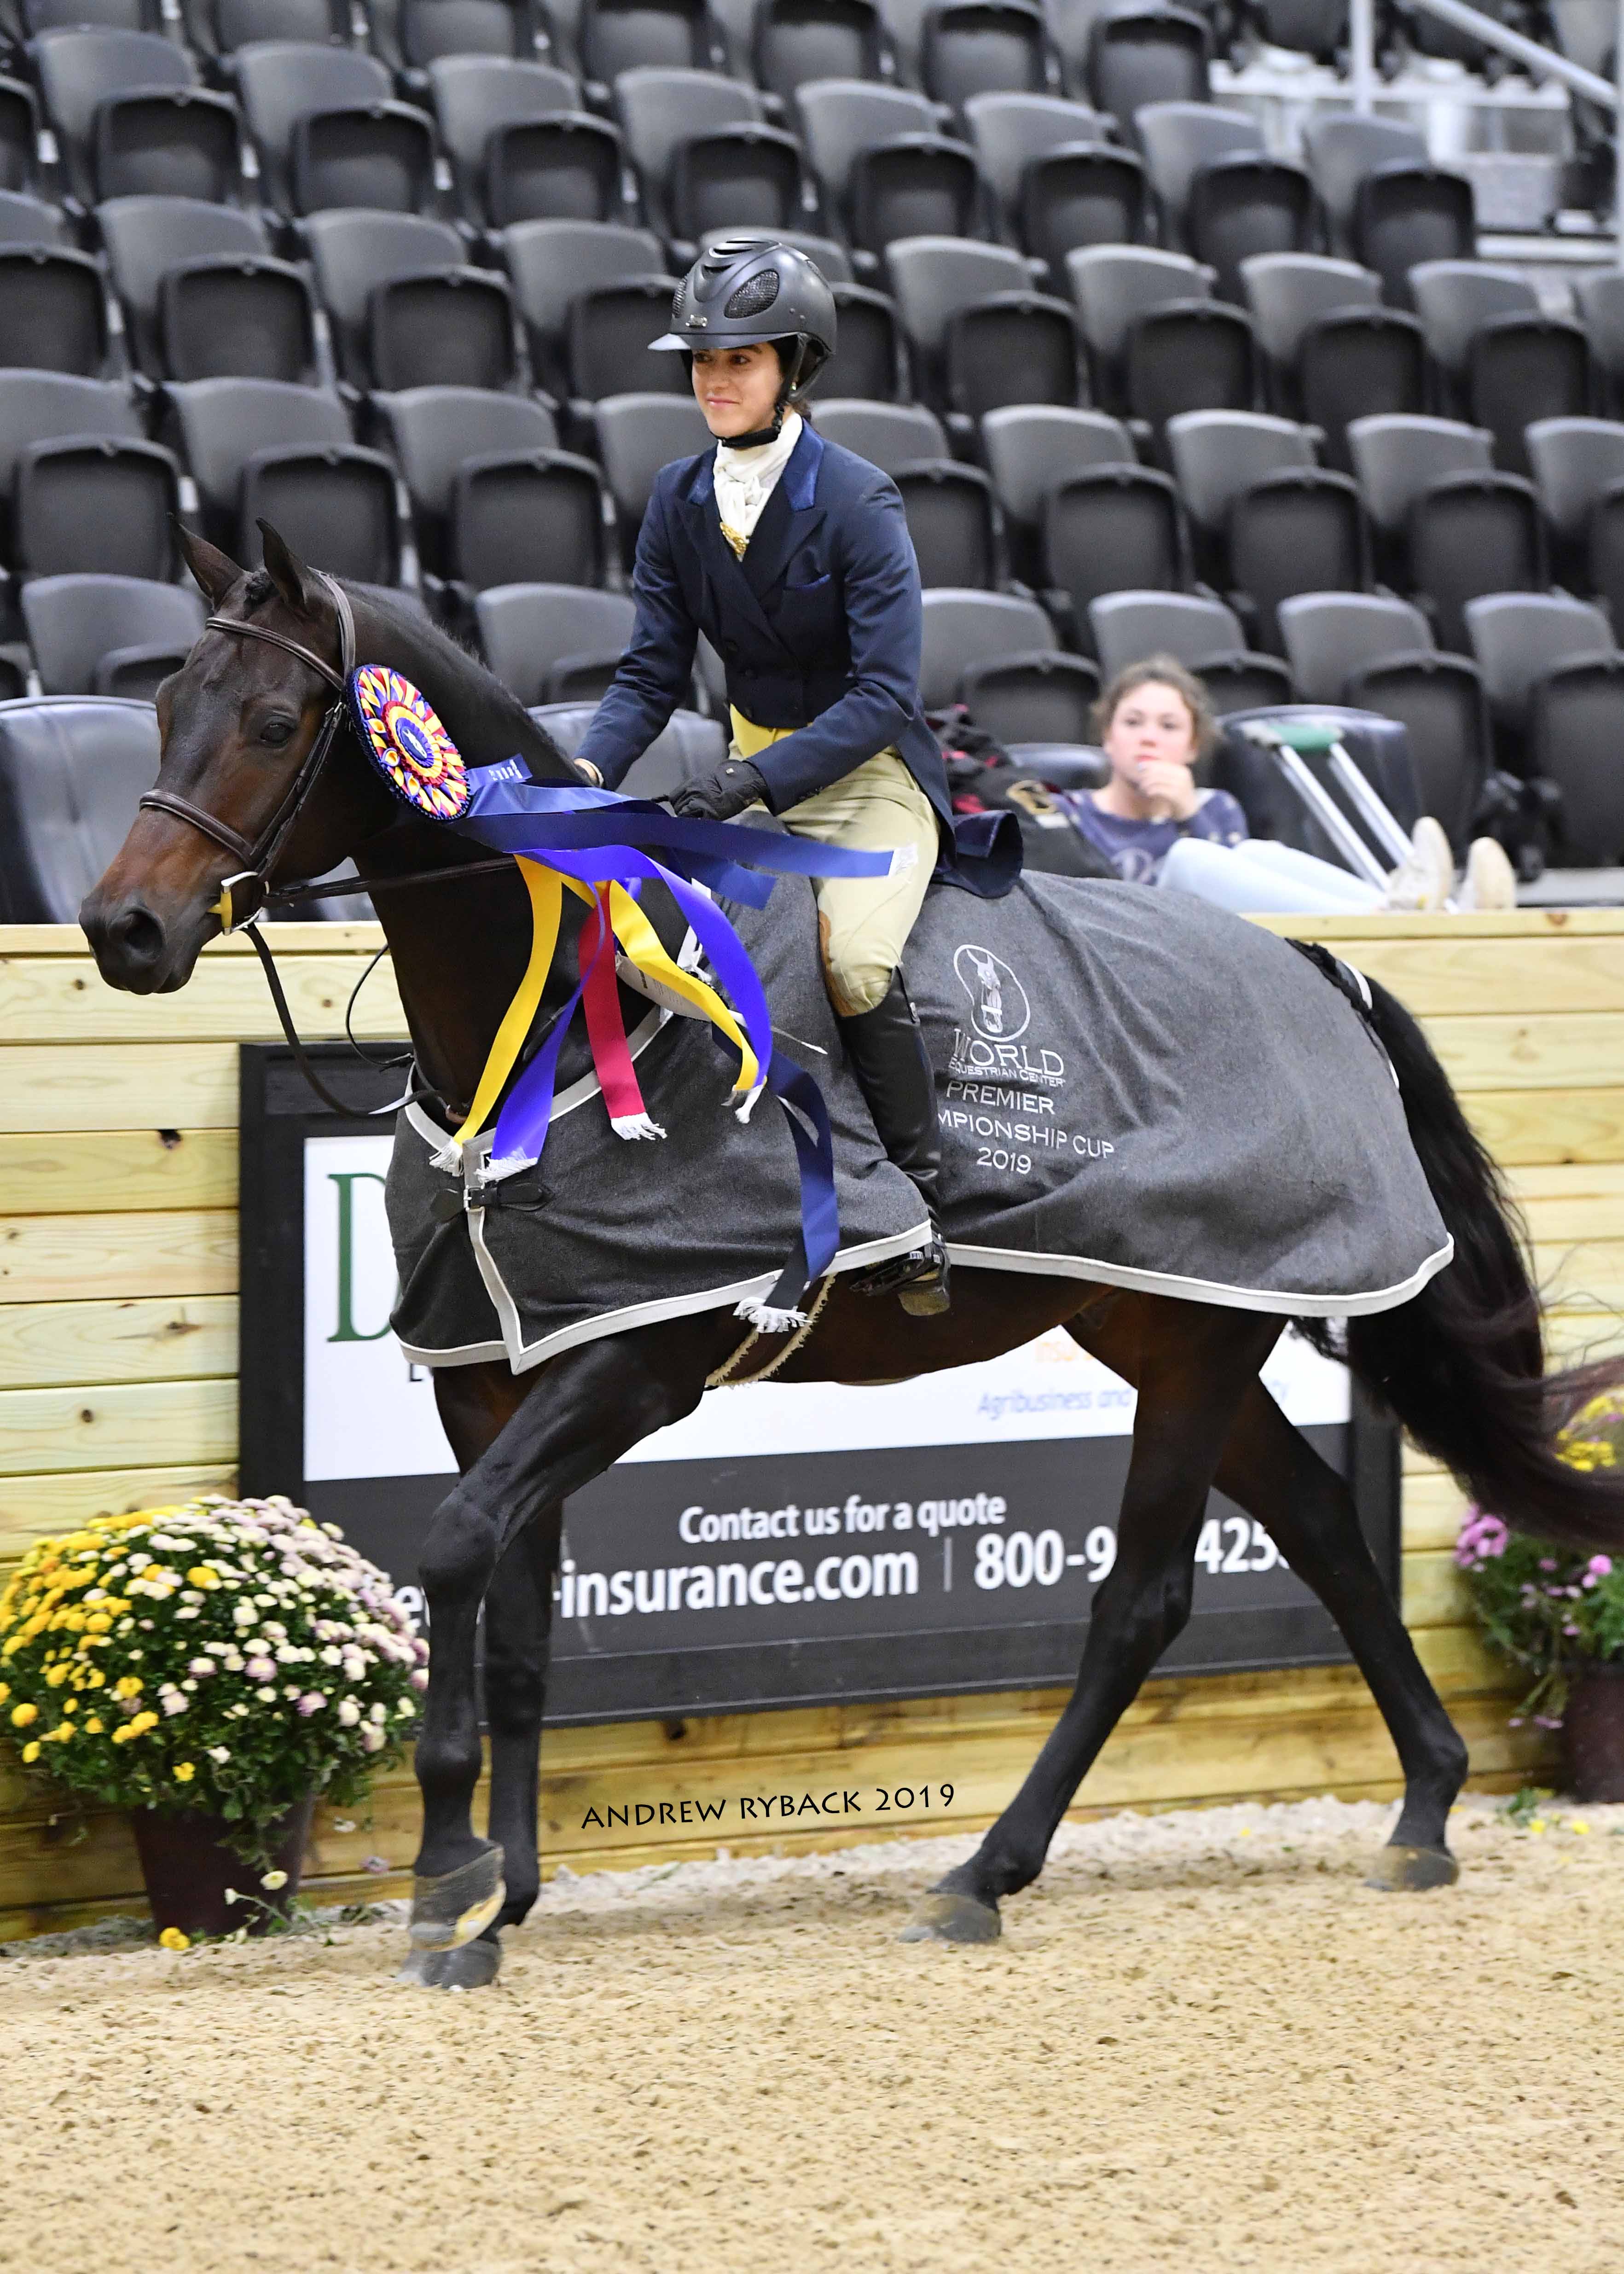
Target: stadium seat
[
  {"x": 887, "y": 434},
  {"x": 109, "y": 635},
  {"x": 235, "y": 315},
  {"x": 26, "y": 219},
  {"x": 568, "y": 166},
  {"x": 1008, "y": 132},
  {"x": 1245, "y": 205},
  {"x": 81, "y": 71},
  {"x": 144, "y": 237},
  {"x": 1194, "y": 355},
  {"x": 475, "y": 97},
  {"x": 1397, "y": 457},
  {"x": 1504, "y": 361},
  {"x": 553, "y": 642},
  {"x": 937, "y": 282},
  {"x": 1440, "y": 702},
  {"x": 381, "y": 155},
  {"x": 795, "y": 42},
  {"x": 1045, "y": 696},
  {"x": 607, "y": 337},
  {"x": 65, "y": 441},
  {"x": 1138, "y": 56},
  {"x": 76, "y": 15},
  {"x": 167, "y": 143},
  {"x": 284, "y": 83},
  {"x": 1578, "y": 470},
  {"x": 1309, "y": 27},
  {"x": 1556, "y": 681},
  {"x": 1340, "y": 148},
  {"x": 1268, "y": 522},
  {"x": 1029, "y": 448},
  {"x": 869, "y": 358},
  {"x": 983, "y": 46},
  {"x": 19, "y": 136},
  {"x": 613, "y": 36},
  {"x": 405, "y": 312},
  {"x": 1403, "y": 215},
  {"x": 838, "y": 118},
  {"x": 53, "y": 311},
  {"x": 1453, "y": 300},
  {"x": 659, "y": 110},
  {"x": 438, "y": 430},
  {"x": 1330, "y": 636},
  {"x": 1113, "y": 285},
  {"x": 536, "y": 516},
  {"x": 919, "y": 185},
  {"x": 1465, "y": 530},
  {"x": 1333, "y": 352},
  {"x": 551, "y": 263},
  {"x": 72, "y": 773},
  {"x": 220, "y": 27},
  {"x": 1179, "y": 140},
  {"x": 410, "y": 35},
  {"x": 1083, "y": 196},
  {"x": 637, "y": 434},
  {"x": 1127, "y": 626},
  {"x": 259, "y": 449},
  {"x": 965, "y": 629},
  {"x": 1119, "y": 526},
  {"x": 1599, "y": 299}
]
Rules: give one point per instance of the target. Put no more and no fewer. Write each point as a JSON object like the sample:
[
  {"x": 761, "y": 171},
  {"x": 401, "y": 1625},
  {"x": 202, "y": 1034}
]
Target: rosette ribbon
[{"x": 602, "y": 848}]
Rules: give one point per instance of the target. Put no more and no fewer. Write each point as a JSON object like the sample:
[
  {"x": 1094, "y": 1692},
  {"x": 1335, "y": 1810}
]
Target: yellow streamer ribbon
[{"x": 641, "y": 944}]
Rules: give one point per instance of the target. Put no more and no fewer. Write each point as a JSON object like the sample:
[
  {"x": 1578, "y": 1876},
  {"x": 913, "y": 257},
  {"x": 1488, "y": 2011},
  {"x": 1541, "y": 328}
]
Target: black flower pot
[
  {"x": 1593, "y": 1733},
  {"x": 188, "y": 1865}
]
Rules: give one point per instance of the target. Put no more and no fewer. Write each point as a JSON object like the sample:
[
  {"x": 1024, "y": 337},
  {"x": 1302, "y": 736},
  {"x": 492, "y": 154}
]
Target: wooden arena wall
[{"x": 118, "y": 1260}]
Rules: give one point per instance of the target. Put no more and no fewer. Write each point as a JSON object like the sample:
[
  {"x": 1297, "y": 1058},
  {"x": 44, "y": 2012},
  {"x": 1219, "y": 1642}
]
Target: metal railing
[{"x": 1541, "y": 62}]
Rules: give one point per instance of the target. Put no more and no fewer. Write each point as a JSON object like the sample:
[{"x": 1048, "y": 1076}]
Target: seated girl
[{"x": 1156, "y": 827}]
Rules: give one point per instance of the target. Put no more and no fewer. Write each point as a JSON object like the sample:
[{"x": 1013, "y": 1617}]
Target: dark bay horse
[{"x": 1461, "y": 1364}]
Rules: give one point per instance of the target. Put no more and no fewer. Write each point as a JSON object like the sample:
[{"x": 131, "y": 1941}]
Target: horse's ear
[
  {"x": 215, "y": 571},
  {"x": 285, "y": 569}
]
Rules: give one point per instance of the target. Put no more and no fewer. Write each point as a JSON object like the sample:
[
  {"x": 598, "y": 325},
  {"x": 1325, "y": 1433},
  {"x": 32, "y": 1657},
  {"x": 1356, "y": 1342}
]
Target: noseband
[{"x": 242, "y": 896}]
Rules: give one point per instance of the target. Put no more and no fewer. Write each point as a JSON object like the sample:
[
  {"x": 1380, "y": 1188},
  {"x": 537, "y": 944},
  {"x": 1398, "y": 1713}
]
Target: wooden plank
[
  {"x": 1580, "y": 1276},
  {"x": 118, "y": 1425},
  {"x": 1434, "y": 1589},
  {"x": 1434, "y": 1507},
  {"x": 1458, "y": 971},
  {"x": 118, "y": 1086},
  {"x": 34, "y": 1504},
  {"x": 145, "y": 1339},
  {"x": 85, "y": 1172},
  {"x": 1547, "y": 1050},
  {"x": 1565, "y": 1180},
  {"x": 56, "y": 998},
  {"x": 1521, "y": 1127},
  {"x": 1571, "y": 1216},
  {"x": 289, "y": 939},
  {"x": 60, "y": 1258},
  {"x": 1528, "y": 926}
]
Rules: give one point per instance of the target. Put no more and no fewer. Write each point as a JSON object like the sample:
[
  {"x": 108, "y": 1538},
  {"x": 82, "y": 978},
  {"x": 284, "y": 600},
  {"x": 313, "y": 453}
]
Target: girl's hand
[{"x": 1170, "y": 786}]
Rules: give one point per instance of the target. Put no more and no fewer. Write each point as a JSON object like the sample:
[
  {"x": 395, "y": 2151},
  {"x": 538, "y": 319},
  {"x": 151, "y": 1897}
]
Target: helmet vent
[{"x": 755, "y": 294}]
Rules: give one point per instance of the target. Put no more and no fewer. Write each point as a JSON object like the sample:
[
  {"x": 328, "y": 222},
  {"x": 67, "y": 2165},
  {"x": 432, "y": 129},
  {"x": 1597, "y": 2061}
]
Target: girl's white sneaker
[
  {"x": 1491, "y": 886},
  {"x": 1423, "y": 882}
]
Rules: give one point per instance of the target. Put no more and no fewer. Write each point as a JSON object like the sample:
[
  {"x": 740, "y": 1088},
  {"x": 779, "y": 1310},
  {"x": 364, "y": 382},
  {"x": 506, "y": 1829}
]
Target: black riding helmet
[{"x": 748, "y": 293}]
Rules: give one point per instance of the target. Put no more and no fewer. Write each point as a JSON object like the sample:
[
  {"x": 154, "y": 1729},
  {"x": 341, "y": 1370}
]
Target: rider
[{"x": 791, "y": 555}]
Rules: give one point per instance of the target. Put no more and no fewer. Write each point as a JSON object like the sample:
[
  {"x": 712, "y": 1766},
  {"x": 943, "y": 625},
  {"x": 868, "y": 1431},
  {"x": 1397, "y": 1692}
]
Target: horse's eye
[{"x": 276, "y": 732}]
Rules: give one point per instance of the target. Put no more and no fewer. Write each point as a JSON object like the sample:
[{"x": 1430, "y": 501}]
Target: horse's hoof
[
  {"x": 1412, "y": 1870},
  {"x": 453, "y": 1908},
  {"x": 472, "y": 1966},
  {"x": 946, "y": 1917}
]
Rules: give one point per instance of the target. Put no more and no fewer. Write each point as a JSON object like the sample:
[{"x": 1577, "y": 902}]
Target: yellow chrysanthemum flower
[
  {"x": 94, "y": 1725},
  {"x": 128, "y": 1685},
  {"x": 172, "y": 1939},
  {"x": 21, "y": 1716},
  {"x": 31, "y": 1752},
  {"x": 5, "y": 1691},
  {"x": 203, "y": 1575},
  {"x": 184, "y": 1771}
]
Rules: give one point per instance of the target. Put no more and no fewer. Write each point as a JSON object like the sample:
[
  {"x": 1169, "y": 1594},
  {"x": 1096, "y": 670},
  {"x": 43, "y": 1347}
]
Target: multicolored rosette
[{"x": 400, "y": 731}]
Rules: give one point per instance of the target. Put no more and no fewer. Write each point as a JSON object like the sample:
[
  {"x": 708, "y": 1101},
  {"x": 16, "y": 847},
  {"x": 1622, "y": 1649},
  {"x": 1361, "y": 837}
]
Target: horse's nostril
[{"x": 137, "y": 936}]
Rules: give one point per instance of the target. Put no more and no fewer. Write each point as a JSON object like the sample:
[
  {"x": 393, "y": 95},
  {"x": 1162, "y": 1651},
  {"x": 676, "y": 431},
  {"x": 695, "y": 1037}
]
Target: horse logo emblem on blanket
[{"x": 999, "y": 1011}]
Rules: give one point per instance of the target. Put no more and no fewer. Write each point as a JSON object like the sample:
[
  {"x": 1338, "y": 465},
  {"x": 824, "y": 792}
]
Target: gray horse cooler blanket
[{"x": 1134, "y": 1088}]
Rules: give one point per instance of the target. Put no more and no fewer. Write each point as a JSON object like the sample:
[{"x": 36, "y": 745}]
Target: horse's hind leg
[
  {"x": 518, "y": 1641},
  {"x": 1192, "y": 1364},
  {"x": 1275, "y": 1475}
]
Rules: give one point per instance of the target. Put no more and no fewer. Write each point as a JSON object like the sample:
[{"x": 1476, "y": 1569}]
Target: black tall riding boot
[{"x": 888, "y": 1055}]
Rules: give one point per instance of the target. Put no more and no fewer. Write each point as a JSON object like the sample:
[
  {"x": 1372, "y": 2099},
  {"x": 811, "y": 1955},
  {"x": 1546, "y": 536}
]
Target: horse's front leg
[{"x": 591, "y": 1406}]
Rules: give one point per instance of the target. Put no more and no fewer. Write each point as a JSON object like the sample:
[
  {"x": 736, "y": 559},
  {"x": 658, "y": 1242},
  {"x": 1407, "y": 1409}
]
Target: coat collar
[{"x": 787, "y": 519}]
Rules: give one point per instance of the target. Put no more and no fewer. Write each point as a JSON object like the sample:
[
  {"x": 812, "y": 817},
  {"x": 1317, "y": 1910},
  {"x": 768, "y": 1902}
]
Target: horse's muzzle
[{"x": 133, "y": 947}]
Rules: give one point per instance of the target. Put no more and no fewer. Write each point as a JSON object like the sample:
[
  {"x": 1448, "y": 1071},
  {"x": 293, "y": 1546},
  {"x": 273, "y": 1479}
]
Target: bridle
[{"x": 244, "y": 895}]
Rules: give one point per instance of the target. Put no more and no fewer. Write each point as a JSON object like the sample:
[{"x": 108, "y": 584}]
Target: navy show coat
[{"x": 819, "y": 629}]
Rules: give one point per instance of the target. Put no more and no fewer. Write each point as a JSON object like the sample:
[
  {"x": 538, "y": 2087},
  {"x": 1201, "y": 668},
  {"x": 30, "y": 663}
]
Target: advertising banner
[{"x": 784, "y": 1544}]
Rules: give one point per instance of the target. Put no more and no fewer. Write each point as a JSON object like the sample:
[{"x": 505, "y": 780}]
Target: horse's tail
[{"x": 1462, "y": 1363}]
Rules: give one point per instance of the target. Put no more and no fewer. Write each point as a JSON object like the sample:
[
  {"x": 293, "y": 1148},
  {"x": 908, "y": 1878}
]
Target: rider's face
[{"x": 737, "y": 389}]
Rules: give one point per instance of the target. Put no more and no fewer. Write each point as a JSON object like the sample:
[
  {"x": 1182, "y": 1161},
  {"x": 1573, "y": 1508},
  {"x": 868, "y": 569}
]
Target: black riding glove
[{"x": 721, "y": 792}]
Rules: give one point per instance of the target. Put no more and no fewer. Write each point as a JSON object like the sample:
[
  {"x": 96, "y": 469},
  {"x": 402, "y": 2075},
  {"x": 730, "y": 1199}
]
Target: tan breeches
[{"x": 863, "y": 922}]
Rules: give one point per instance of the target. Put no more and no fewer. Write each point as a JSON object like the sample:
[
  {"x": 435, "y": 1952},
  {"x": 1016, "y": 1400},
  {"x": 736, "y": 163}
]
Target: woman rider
[{"x": 791, "y": 555}]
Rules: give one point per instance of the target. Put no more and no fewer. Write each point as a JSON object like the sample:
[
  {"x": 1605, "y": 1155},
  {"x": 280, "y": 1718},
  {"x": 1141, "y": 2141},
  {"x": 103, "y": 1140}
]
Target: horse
[{"x": 261, "y": 772}]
